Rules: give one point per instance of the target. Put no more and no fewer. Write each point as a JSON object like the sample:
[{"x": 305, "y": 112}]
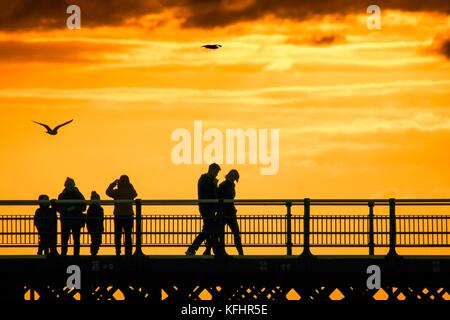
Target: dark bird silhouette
[
  {"x": 212, "y": 46},
  {"x": 54, "y": 131}
]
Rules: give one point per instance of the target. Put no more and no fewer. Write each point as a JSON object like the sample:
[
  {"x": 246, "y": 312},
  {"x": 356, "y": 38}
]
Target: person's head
[
  {"x": 124, "y": 181},
  {"x": 44, "y": 197},
  {"x": 95, "y": 196},
  {"x": 69, "y": 184},
  {"x": 232, "y": 176},
  {"x": 213, "y": 170}
]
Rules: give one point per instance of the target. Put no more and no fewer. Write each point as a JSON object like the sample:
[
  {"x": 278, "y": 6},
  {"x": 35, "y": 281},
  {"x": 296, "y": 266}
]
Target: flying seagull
[
  {"x": 212, "y": 46},
  {"x": 54, "y": 131}
]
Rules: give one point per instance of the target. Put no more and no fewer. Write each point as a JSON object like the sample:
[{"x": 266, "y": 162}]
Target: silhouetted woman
[
  {"x": 122, "y": 189},
  {"x": 95, "y": 223},
  {"x": 227, "y": 212},
  {"x": 71, "y": 216}
]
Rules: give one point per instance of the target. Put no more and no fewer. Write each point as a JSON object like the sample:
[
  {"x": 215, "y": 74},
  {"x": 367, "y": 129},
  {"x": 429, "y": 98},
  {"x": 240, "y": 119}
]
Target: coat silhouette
[
  {"x": 226, "y": 214},
  {"x": 94, "y": 222},
  {"x": 72, "y": 219},
  {"x": 122, "y": 189}
]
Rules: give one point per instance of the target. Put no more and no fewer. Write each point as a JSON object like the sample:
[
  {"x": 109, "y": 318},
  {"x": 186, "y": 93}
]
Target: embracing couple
[{"x": 218, "y": 214}]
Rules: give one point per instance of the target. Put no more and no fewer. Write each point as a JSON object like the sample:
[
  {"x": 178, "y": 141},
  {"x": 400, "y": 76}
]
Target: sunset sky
[{"x": 362, "y": 113}]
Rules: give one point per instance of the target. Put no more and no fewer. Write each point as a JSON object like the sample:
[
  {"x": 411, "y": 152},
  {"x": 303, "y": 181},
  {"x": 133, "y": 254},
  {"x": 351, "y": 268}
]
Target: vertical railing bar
[
  {"x": 355, "y": 221},
  {"x": 138, "y": 249},
  {"x": 404, "y": 229},
  {"x": 392, "y": 229},
  {"x": 410, "y": 232},
  {"x": 335, "y": 235},
  {"x": 322, "y": 233},
  {"x": 446, "y": 231},
  {"x": 306, "y": 227},
  {"x": 371, "y": 229}
]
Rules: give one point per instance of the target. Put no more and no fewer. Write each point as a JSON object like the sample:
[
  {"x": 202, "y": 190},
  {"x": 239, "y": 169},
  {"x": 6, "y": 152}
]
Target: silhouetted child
[
  {"x": 95, "y": 223},
  {"x": 45, "y": 220}
]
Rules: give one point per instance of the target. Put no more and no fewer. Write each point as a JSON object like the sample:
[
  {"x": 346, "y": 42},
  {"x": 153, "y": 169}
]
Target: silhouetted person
[
  {"x": 45, "y": 220},
  {"x": 122, "y": 189},
  {"x": 226, "y": 214},
  {"x": 94, "y": 222},
  {"x": 207, "y": 189},
  {"x": 72, "y": 219}
]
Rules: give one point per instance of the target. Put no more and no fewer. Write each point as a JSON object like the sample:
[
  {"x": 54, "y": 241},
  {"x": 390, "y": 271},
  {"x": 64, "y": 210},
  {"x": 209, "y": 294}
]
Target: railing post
[
  {"x": 289, "y": 228},
  {"x": 58, "y": 221},
  {"x": 371, "y": 229},
  {"x": 138, "y": 250},
  {"x": 306, "y": 230},
  {"x": 392, "y": 228}
]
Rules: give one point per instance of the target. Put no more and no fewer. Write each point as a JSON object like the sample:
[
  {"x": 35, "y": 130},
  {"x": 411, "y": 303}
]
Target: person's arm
[
  {"x": 82, "y": 206},
  {"x": 37, "y": 220},
  {"x": 215, "y": 191},
  {"x": 133, "y": 192},
  {"x": 54, "y": 220},
  {"x": 60, "y": 207},
  {"x": 220, "y": 192},
  {"x": 110, "y": 192}
]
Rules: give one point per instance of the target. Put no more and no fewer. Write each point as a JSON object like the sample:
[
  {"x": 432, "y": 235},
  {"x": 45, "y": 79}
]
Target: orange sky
[{"x": 361, "y": 114}]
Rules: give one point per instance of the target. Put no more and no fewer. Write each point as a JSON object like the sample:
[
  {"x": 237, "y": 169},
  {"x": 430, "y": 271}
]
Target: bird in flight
[
  {"x": 212, "y": 46},
  {"x": 54, "y": 131}
]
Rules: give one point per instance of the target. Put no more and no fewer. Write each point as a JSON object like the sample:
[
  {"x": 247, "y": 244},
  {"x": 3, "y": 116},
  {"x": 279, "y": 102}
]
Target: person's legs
[
  {"x": 76, "y": 241},
  {"x": 210, "y": 228},
  {"x": 196, "y": 243},
  {"x": 96, "y": 240},
  {"x": 202, "y": 236},
  {"x": 92, "y": 245},
  {"x": 40, "y": 248},
  {"x": 128, "y": 229},
  {"x": 234, "y": 226},
  {"x": 118, "y": 226},
  {"x": 65, "y": 235},
  {"x": 45, "y": 242},
  {"x": 53, "y": 242},
  {"x": 218, "y": 237}
]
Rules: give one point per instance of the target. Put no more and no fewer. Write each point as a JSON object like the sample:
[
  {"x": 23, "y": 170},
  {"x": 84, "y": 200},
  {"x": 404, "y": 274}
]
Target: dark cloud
[
  {"x": 44, "y": 14},
  {"x": 445, "y": 48},
  {"x": 322, "y": 40},
  {"x": 212, "y": 13},
  {"x": 26, "y": 14}
]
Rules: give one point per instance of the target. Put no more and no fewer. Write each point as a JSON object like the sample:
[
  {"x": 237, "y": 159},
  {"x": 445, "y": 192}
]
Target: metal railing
[{"x": 299, "y": 225}]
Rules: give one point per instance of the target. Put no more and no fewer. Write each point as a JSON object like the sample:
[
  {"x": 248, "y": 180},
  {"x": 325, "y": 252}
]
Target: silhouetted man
[
  {"x": 122, "y": 189},
  {"x": 226, "y": 215},
  {"x": 207, "y": 189},
  {"x": 71, "y": 216}
]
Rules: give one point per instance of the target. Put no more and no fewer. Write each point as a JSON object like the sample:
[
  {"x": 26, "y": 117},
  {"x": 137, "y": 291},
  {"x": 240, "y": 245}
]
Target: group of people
[
  {"x": 215, "y": 214},
  {"x": 73, "y": 219}
]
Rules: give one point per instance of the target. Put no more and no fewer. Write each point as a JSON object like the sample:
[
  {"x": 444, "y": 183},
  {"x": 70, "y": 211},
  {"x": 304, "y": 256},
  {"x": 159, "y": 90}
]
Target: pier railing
[{"x": 300, "y": 224}]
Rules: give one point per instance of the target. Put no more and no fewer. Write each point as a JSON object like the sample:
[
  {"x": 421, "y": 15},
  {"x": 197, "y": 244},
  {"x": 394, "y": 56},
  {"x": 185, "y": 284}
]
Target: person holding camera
[{"x": 122, "y": 189}]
